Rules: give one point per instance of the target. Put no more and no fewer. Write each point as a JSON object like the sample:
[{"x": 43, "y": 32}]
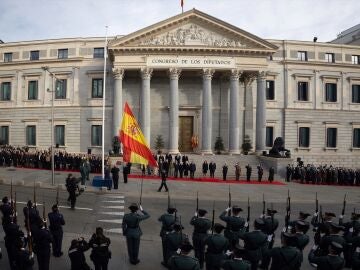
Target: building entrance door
[{"x": 186, "y": 128}]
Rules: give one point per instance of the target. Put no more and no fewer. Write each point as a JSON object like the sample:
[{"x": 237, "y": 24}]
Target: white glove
[
  {"x": 262, "y": 215},
  {"x": 284, "y": 229},
  {"x": 357, "y": 250},
  {"x": 351, "y": 229},
  {"x": 315, "y": 214},
  {"x": 341, "y": 216},
  {"x": 228, "y": 209},
  {"x": 314, "y": 247},
  {"x": 141, "y": 209},
  {"x": 31, "y": 255},
  {"x": 228, "y": 253},
  {"x": 196, "y": 214},
  {"x": 178, "y": 251},
  {"x": 269, "y": 238},
  {"x": 246, "y": 224}
]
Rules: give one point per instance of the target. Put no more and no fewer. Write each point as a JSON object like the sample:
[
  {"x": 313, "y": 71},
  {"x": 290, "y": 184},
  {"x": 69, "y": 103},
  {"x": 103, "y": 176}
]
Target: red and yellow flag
[{"x": 135, "y": 147}]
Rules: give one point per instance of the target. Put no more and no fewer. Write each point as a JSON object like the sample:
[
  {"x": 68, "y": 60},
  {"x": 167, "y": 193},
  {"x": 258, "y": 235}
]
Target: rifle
[
  {"x": 344, "y": 205},
  {"x": 317, "y": 235},
  {"x": 34, "y": 196},
  {"x": 213, "y": 219},
  {"x": 14, "y": 211},
  {"x": 263, "y": 203},
  {"x": 11, "y": 195},
  {"x": 197, "y": 201},
  {"x": 29, "y": 230},
  {"x": 141, "y": 189},
  {"x": 168, "y": 199},
  {"x": 229, "y": 213},
  {"x": 288, "y": 209},
  {"x": 181, "y": 232},
  {"x": 57, "y": 196},
  {"x": 248, "y": 215},
  {"x": 44, "y": 215}
]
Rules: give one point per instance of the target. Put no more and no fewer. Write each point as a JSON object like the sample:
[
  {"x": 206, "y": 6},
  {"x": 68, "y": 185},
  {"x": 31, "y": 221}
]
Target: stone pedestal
[{"x": 279, "y": 164}]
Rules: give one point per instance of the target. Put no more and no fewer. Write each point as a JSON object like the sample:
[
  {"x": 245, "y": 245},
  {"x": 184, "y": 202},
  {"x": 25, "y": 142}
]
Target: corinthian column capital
[
  {"x": 261, "y": 75},
  {"x": 118, "y": 73},
  {"x": 208, "y": 73},
  {"x": 174, "y": 73},
  {"x": 235, "y": 74},
  {"x": 146, "y": 73}
]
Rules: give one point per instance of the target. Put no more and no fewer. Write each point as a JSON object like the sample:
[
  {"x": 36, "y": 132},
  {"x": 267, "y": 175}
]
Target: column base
[
  {"x": 206, "y": 152},
  {"x": 234, "y": 152},
  {"x": 173, "y": 151}
]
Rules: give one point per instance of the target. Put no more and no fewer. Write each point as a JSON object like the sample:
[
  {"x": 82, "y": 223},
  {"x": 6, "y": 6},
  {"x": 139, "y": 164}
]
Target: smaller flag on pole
[
  {"x": 182, "y": 6},
  {"x": 135, "y": 147}
]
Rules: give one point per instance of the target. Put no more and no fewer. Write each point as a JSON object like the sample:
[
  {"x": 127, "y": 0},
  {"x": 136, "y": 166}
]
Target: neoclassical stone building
[{"x": 189, "y": 75}]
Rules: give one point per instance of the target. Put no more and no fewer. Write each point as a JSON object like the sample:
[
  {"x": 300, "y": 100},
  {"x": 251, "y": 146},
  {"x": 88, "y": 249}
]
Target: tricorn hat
[
  {"x": 134, "y": 206},
  {"x": 259, "y": 221},
  {"x": 336, "y": 246},
  {"x": 329, "y": 214},
  {"x": 186, "y": 246},
  {"x": 304, "y": 215},
  {"x": 236, "y": 208},
  {"x": 271, "y": 211},
  {"x": 202, "y": 212}
]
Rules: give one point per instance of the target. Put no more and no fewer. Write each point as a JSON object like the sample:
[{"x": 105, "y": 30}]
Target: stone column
[
  {"x": 145, "y": 102},
  {"x": 206, "y": 124},
  {"x": 261, "y": 112},
  {"x": 117, "y": 102},
  {"x": 234, "y": 123},
  {"x": 174, "y": 74}
]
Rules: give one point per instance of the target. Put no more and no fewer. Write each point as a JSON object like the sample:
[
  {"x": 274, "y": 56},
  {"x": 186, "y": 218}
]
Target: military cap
[
  {"x": 304, "y": 215},
  {"x": 271, "y": 211},
  {"x": 336, "y": 246},
  {"x": 202, "y": 212},
  {"x": 218, "y": 227},
  {"x": 355, "y": 216},
  {"x": 5, "y": 199},
  {"x": 133, "y": 206},
  {"x": 29, "y": 203},
  {"x": 259, "y": 221},
  {"x": 236, "y": 208},
  {"x": 287, "y": 235},
  {"x": 336, "y": 226},
  {"x": 329, "y": 214},
  {"x": 54, "y": 207},
  {"x": 171, "y": 209},
  {"x": 186, "y": 246},
  {"x": 301, "y": 224}
]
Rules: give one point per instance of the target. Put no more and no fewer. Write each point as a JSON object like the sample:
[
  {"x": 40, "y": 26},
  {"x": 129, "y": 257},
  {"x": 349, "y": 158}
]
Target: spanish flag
[{"x": 135, "y": 147}]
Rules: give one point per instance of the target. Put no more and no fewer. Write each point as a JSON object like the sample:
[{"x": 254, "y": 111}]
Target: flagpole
[{"x": 103, "y": 111}]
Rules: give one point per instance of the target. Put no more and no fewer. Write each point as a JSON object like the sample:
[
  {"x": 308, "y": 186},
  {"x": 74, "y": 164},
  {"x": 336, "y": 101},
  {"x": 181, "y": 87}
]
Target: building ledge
[
  {"x": 355, "y": 149},
  {"x": 303, "y": 149},
  {"x": 331, "y": 149}
]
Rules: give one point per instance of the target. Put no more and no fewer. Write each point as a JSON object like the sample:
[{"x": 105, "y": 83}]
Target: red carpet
[{"x": 208, "y": 180}]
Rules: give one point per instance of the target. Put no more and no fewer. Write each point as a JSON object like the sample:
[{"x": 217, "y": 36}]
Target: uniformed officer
[
  {"x": 115, "y": 176},
  {"x": 270, "y": 226},
  {"x": 260, "y": 172},
  {"x": 42, "y": 243},
  {"x": 325, "y": 225},
  {"x": 237, "y": 262},
  {"x": 173, "y": 241},
  {"x": 351, "y": 229},
  {"x": 212, "y": 169},
  {"x": 286, "y": 256},
  {"x": 167, "y": 221},
  {"x": 77, "y": 256},
  {"x": 356, "y": 259},
  {"x": 132, "y": 231},
  {"x": 255, "y": 243},
  {"x": 6, "y": 211},
  {"x": 163, "y": 181},
  {"x": 237, "y": 171},
  {"x": 32, "y": 215},
  {"x": 301, "y": 238},
  {"x": 334, "y": 236},
  {"x": 234, "y": 224},
  {"x": 302, "y": 217},
  {"x": 71, "y": 188},
  {"x": 13, "y": 235},
  {"x": 56, "y": 220},
  {"x": 330, "y": 261},
  {"x": 217, "y": 245},
  {"x": 183, "y": 261},
  {"x": 201, "y": 226},
  {"x": 248, "y": 172},
  {"x": 225, "y": 171},
  {"x": 24, "y": 259},
  {"x": 100, "y": 253}
]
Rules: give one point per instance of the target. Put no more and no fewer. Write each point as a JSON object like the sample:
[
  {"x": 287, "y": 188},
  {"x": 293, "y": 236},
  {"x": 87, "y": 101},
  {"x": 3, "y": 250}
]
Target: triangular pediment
[{"x": 189, "y": 30}]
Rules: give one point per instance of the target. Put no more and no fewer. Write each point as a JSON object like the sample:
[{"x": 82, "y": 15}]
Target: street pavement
[{"x": 106, "y": 208}]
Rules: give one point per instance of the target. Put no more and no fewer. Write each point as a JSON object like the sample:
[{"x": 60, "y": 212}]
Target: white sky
[{"x": 278, "y": 19}]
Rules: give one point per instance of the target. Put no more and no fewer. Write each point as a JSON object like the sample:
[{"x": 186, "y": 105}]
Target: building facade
[{"x": 190, "y": 76}]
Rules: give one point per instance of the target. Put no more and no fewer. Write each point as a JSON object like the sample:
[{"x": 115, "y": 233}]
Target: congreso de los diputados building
[{"x": 189, "y": 76}]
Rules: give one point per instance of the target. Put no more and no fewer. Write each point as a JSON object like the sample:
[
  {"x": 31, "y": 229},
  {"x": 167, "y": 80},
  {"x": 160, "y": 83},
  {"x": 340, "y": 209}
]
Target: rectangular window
[
  {"x": 8, "y": 57},
  {"x": 269, "y": 136},
  {"x": 97, "y": 88},
  {"x": 33, "y": 90},
  {"x": 270, "y": 90},
  {"x": 304, "y": 137},
  {"x": 330, "y": 92},
  {"x": 355, "y": 93},
  {"x": 355, "y": 59},
  {"x": 302, "y": 56},
  {"x": 303, "y": 89},
  {"x": 34, "y": 55},
  {"x": 31, "y": 135},
  {"x": 98, "y": 52},
  {"x": 62, "y": 53},
  {"x": 60, "y": 89},
  {"x": 96, "y": 138},
  {"x": 5, "y": 91},
  {"x": 330, "y": 57},
  {"x": 4, "y": 135},
  {"x": 356, "y": 138},
  {"x": 331, "y": 134},
  {"x": 59, "y": 135}
]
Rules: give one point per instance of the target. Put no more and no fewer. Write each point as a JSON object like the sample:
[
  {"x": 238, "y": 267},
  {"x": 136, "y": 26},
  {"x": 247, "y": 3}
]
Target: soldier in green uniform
[
  {"x": 217, "y": 245},
  {"x": 237, "y": 262},
  {"x": 201, "y": 226},
  {"x": 331, "y": 261},
  {"x": 356, "y": 259},
  {"x": 351, "y": 229},
  {"x": 132, "y": 231},
  {"x": 302, "y": 217},
  {"x": 183, "y": 261},
  {"x": 286, "y": 256},
  {"x": 325, "y": 225},
  {"x": 173, "y": 241},
  {"x": 301, "y": 238},
  {"x": 255, "y": 243},
  {"x": 234, "y": 224},
  {"x": 334, "y": 236},
  {"x": 167, "y": 221}
]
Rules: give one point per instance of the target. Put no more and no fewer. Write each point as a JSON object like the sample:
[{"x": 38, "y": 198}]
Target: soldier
[
  {"x": 56, "y": 220},
  {"x": 173, "y": 241},
  {"x": 31, "y": 214},
  {"x": 260, "y": 172},
  {"x": 234, "y": 224},
  {"x": 330, "y": 261},
  {"x": 132, "y": 231},
  {"x": 71, "y": 188},
  {"x": 183, "y": 261},
  {"x": 201, "y": 226},
  {"x": 212, "y": 169},
  {"x": 77, "y": 256},
  {"x": 271, "y": 174},
  {"x": 115, "y": 176},
  {"x": 302, "y": 217},
  {"x": 126, "y": 172},
  {"x": 192, "y": 168},
  {"x": 351, "y": 228},
  {"x": 13, "y": 234},
  {"x": 186, "y": 167},
  {"x": 167, "y": 221},
  {"x": 237, "y": 262},
  {"x": 286, "y": 256},
  {"x": 217, "y": 245},
  {"x": 42, "y": 241},
  {"x": 6, "y": 211},
  {"x": 205, "y": 168},
  {"x": 237, "y": 171},
  {"x": 176, "y": 169},
  {"x": 100, "y": 254},
  {"x": 224, "y": 171},
  {"x": 181, "y": 170},
  {"x": 24, "y": 259},
  {"x": 163, "y": 182},
  {"x": 248, "y": 172},
  {"x": 270, "y": 226},
  {"x": 334, "y": 236},
  {"x": 289, "y": 172},
  {"x": 301, "y": 238},
  {"x": 356, "y": 259},
  {"x": 255, "y": 243},
  {"x": 83, "y": 172},
  {"x": 325, "y": 225}
]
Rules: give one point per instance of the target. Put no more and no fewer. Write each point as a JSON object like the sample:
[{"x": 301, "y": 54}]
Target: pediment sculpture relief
[{"x": 190, "y": 35}]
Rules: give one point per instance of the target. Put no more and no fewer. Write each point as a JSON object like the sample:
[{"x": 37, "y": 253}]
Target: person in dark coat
[
  {"x": 56, "y": 220},
  {"x": 216, "y": 245},
  {"x": 13, "y": 234},
  {"x": 100, "y": 253},
  {"x": 237, "y": 261},
  {"x": 234, "y": 224},
  {"x": 271, "y": 174},
  {"x": 72, "y": 188},
  {"x": 167, "y": 221},
  {"x": 132, "y": 231},
  {"x": 163, "y": 182},
  {"x": 42, "y": 243},
  {"x": 126, "y": 172},
  {"x": 192, "y": 169},
  {"x": 115, "y": 176},
  {"x": 332, "y": 260},
  {"x": 248, "y": 172},
  {"x": 205, "y": 168},
  {"x": 183, "y": 261},
  {"x": 225, "y": 171},
  {"x": 260, "y": 172},
  {"x": 186, "y": 168},
  {"x": 212, "y": 169},
  {"x": 76, "y": 254},
  {"x": 6, "y": 210},
  {"x": 237, "y": 171},
  {"x": 24, "y": 259},
  {"x": 173, "y": 241}
]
